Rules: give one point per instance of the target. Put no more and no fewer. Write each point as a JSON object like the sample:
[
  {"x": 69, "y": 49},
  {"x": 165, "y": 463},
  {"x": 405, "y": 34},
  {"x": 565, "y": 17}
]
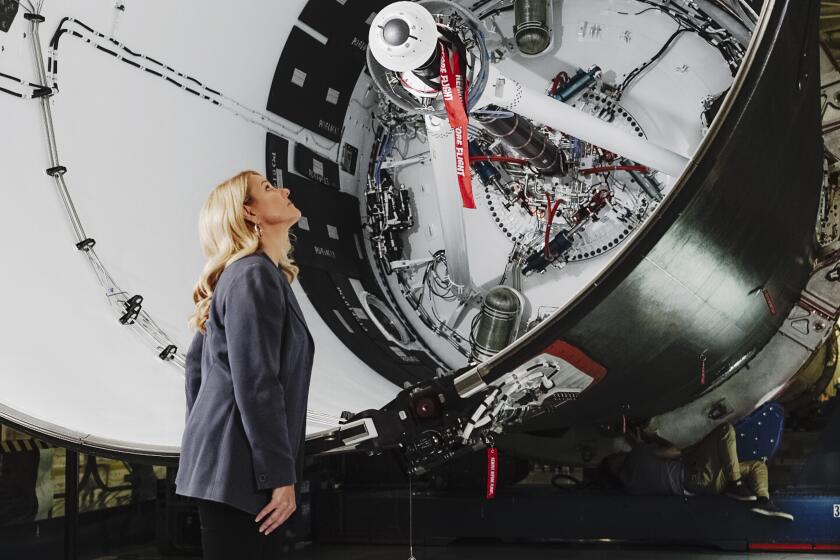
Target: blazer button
[{"x": 262, "y": 477}]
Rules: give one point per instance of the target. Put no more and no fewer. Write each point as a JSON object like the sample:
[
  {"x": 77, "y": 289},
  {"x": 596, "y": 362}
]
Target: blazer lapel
[
  {"x": 290, "y": 297},
  {"x": 292, "y": 300}
]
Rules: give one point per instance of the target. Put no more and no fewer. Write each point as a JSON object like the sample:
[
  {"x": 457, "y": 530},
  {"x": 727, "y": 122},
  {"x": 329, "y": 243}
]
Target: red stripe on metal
[
  {"x": 793, "y": 546},
  {"x": 769, "y": 299},
  {"x": 780, "y": 546},
  {"x": 576, "y": 357}
]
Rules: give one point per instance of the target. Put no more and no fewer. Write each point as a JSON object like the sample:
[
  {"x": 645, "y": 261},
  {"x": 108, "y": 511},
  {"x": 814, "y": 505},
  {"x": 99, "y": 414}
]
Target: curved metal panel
[{"x": 713, "y": 276}]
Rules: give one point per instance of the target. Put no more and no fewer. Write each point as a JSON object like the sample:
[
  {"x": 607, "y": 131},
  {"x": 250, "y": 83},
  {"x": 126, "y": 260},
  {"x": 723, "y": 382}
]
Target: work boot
[
  {"x": 765, "y": 507},
  {"x": 737, "y": 490}
]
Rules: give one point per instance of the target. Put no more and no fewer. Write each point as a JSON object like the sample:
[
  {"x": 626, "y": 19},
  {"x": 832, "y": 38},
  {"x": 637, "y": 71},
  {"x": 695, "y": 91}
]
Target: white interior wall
[{"x": 141, "y": 157}]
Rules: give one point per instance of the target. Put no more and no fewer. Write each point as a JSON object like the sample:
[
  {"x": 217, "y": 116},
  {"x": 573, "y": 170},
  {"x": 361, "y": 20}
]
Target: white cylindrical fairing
[
  {"x": 535, "y": 105},
  {"x": 441, "y": 139},
  {"x": 403, "y": 36}
]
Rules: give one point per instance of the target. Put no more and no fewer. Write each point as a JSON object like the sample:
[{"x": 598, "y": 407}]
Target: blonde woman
[{"x": 247, "y": 372}]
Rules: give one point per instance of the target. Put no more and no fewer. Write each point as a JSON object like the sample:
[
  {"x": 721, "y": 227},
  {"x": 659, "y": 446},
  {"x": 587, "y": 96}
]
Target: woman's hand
[{"x": 278, "y": 510}]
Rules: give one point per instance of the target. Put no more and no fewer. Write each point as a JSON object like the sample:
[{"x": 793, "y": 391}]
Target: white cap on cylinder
[{"x": 403, "y": 36}]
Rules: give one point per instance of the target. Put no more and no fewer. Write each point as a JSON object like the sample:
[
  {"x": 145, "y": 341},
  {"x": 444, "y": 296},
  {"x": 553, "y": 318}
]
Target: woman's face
[{"x": 271, "y": 205}]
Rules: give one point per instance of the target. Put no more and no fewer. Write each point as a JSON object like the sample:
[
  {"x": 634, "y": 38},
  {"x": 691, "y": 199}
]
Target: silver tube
[
  {"x": 523, "y": 137},
  {"x": 737, "y": 28},
  {"x": 497, "y": 322},
  {"x": 70, "y": 208},
  {"x": 39, "y": 58},
  {"x": 647, "y": 185},
  {"x": 45, "y": 101},
  {"x": 46, "y": 111},
  {"x": 532, "y": 29},
  {"x": 469, "y": 383},
  {"x": 46, "y": 114},
  {"x": 747, "y": 18}
]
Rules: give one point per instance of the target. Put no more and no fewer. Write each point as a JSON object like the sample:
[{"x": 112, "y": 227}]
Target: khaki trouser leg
[
  {"x": 755, "y": 474},
  {"x": 712, "y": 462}
]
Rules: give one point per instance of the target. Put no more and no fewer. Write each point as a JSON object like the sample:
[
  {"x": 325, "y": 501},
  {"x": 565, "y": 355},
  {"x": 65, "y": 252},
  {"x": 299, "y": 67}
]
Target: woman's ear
[{"x": 248, "y": 212}]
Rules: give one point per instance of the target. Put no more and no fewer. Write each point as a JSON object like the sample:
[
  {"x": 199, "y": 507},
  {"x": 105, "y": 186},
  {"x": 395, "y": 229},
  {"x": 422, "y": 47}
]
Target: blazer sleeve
[
  {"x": 255, "y": 312},
  {"x": 192, "y": 369}
]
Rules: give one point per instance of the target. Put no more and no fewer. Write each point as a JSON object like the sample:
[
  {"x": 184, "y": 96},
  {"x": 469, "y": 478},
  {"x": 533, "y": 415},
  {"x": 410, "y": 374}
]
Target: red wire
[
  {"x": 504, "y": 159},
  {"x": 406, "y": 85},
  {"x": 590, "y": 170},
  {"x": 549, "y": 218},
  {"x": 555, "y": 83},
  {"x": 584, "y": 171}
]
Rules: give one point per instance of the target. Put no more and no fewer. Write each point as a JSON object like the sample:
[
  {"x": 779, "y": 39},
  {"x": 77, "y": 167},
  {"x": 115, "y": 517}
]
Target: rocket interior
[
  {"x": 401, "y": 282},
  {"x": 547, "y": 228}
]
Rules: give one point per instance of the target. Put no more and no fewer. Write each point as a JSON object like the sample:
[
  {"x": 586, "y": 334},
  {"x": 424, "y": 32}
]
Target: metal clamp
[
  {"x": 168, "y": 352},
  {"x": 358, "y": 431},
  {"x": 86, "y": 244},
  {"x": 133, "y": 307}
]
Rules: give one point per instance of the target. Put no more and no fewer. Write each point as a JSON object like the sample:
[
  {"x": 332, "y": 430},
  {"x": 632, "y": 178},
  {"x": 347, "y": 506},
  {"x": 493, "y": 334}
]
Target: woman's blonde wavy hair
[{"x": 225, "y": 238}]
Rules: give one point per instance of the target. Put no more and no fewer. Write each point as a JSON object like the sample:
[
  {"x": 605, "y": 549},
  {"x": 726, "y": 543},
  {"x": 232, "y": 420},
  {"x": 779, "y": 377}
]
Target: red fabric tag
[
  {"x": 769, "y": 299},
  {"x": 455, "y": 110},
  {"x": 459, "y": 83},
  {"x": 492, "y": 471}
]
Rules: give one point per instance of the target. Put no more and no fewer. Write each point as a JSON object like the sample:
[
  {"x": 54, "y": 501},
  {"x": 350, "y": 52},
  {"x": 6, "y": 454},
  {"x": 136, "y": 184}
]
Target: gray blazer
[{"x": 247, "y": 385}]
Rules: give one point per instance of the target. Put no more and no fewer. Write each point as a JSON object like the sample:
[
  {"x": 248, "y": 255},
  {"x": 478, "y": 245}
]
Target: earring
[{"x": 258, "y": 230}]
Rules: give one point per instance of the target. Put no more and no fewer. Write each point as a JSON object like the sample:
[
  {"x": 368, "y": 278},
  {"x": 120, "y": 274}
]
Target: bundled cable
[
  {"x": 636, "y": 72},
  {"x": 20, "y": 87},
  {"x": 109, "y": 45},
  {"x": 441, "y": 287},
  {"x": 701, "y": 24},
  {"x": 549, "y": 218}
]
